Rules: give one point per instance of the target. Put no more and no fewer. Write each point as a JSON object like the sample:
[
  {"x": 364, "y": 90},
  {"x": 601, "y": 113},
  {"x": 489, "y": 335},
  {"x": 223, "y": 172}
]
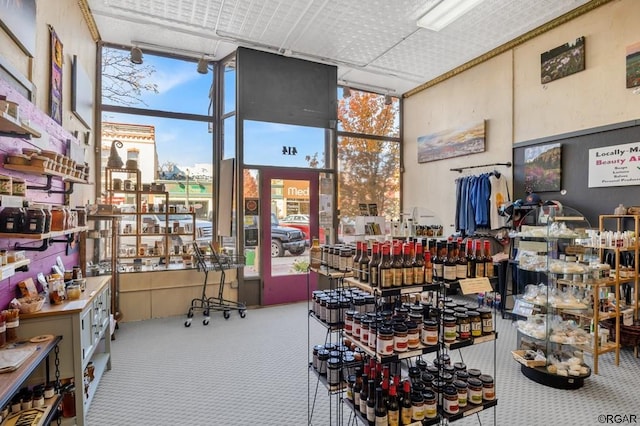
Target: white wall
[{"x": 506, "y": 91}]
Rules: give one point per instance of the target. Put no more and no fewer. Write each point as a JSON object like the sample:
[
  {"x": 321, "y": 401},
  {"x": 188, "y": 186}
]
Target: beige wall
[
  {"x": 66, "y": 18},
  {"x": 507, "y": 93}
]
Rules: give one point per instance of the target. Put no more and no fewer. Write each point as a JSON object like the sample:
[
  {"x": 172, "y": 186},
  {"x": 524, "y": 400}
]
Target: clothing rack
[{"x": 460, "y": 169}]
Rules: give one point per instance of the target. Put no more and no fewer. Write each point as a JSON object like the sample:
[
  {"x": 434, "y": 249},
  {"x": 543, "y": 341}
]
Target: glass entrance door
[{"x": 289, "y": 221}]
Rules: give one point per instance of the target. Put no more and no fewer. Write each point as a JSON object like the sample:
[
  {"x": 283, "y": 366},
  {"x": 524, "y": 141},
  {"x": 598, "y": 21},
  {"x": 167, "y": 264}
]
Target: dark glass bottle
[
  {"x": 418, "y": 265},
  {"x": 357, "y": 388},
  {"x": 407, "y": 264},
  {"x": 356, "y": 257},
  {"x": 374, "y": 264},
  {"x": 364, "y": 394},
  {"x": 386, "y": 274},
  {"x": 461, "y": 262},
  {"x": 371, "y": 403},
  {"x": 450, "y": 266},
  {"x": 471, "y": 264},
  {"x": 397, "y": 265},
  {"x": 479, "y": 259},
  {"x": 363, "y": 265},
  {"x": 488, "y": 260},
  {"x": 405, "y": 408},
  {"x": 428, "y": 268},
  {"x": 393, "y": 409},
  {"x": 380, "y": 409},
  {"x": 438, "y": 264}
]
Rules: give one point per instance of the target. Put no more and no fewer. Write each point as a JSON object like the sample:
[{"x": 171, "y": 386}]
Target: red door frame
[{"x": 285, "y": 288}]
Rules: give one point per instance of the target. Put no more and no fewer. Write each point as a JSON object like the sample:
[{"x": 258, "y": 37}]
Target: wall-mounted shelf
[
  {"x": 49, "y": 174},
  {"x": 46, "y": 238},
  {"x": 10, "y": 269},
  {"x": 9, "y": 126}
]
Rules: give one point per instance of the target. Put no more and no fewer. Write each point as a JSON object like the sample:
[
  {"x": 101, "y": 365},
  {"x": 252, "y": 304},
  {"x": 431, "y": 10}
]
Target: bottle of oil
[{"x": 315, "y": 255}]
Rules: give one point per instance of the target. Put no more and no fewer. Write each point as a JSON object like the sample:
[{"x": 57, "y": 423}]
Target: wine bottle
[
  {"x": 407, "y": 264},
  {"x": 393, "y": 409},
  {"x": 471, "y": 265},
  {"x": 363, "y": 266},
  {"x": 461, "y": 262},
  {"x": 380, "y": 409},
  {"x": 357, "y": 388},
  {"x": 418, "y": 265},
  {"x": 406, "y": 407},
  {"x": 371, "y": 403},
  {"x": 356, "y": 257},
  {"x": 364, "y": 394},
  {"x": 438, "y": 264},
  {"x": 450, "y": 266},
  {"x": 488, "y": 260},
  {"x": 386, "y": 274},
  {"x": 374, "y": 264},
  {"x": 397, "y": 265},
  {"x": 428, "y": 268},
  {"x": 479, "y": 259}
]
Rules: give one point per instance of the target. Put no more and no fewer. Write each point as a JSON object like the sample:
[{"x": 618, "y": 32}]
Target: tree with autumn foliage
[
  {"x": 369, "y": 169},
  {"x": 250, "y": 185}
]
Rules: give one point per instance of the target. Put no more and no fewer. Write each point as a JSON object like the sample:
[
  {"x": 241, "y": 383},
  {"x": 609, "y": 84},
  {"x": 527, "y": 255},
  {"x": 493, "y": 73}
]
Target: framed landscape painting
[
  {"x": 562, "y": 61},
  {"x": 543, "y": 168},
  {"x": 462, "y": 140}
]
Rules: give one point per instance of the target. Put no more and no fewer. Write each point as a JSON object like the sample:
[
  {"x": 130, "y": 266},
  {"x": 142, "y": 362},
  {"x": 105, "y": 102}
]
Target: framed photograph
[
  {"x": 543, "y": 168},
  {"x": 81, "y": 93},
  {"x": 562, "y": 61},
  {"x": 55, "y": 83},
  {"x": 18, "y": 18},
  {"x": 633, "y": 65},
  {"x": 462, "y": 140}
]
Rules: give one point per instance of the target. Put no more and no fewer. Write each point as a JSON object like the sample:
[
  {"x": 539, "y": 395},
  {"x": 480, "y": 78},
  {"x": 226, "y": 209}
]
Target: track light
[
  {"x": 346, "y": 92},
  {"x": 388, "y": 100},
  {"x": 203, "y": 66},
  {"x": 136, "y": 55}
]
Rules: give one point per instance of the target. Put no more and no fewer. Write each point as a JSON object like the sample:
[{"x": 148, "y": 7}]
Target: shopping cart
[{"x": 213, "y": 261}]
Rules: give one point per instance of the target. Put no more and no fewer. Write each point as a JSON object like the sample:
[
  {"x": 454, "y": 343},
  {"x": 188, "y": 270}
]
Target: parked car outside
[
  {"x": 203, "y": 228},
  {"x": 283, "y": 238}
]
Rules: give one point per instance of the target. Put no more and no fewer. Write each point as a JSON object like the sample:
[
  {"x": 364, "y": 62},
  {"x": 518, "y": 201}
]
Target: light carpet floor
[{"x": 253, "y": 371}]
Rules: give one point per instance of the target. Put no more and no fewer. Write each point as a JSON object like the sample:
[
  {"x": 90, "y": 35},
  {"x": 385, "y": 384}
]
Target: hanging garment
[{"x": 499, "y": 196}]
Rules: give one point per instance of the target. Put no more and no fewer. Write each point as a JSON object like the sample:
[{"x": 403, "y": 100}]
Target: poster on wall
[
  {"x": 55, "y": 84},
  {"x": 462, "y": 140},
  {"x": 543, "y": 168},
  {"x": 18, "y": 18},
  {"x": 615, "y": 165}
]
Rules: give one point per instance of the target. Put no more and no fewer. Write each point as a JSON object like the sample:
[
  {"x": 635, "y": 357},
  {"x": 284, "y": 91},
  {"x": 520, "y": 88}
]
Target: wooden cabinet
[{"x": 84, "y": 325}]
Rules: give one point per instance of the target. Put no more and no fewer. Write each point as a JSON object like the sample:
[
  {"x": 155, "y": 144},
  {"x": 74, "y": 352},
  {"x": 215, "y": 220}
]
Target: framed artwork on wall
[
  {"x": 462, "y": 140},
  {"x": 81, "y": 93},
  {"x": 562, "y": 61},
  {"x": 543, "y": 168},
  {"x": 55, "y": 83},
  {"x": 633, "y": 65},
  {"x": 18, "y": 18}
]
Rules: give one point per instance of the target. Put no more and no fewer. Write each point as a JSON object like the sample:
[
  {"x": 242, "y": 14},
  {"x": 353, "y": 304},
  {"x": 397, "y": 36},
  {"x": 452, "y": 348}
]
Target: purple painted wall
[{"x": 57, "y": 141}]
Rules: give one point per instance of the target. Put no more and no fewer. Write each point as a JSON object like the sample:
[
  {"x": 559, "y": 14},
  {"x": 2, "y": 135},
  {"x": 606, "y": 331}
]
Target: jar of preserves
[
  {"x": 364, "y": 330},
  {"x": 413, "y": 335},
  {"x": 385, "y": 341},
  {"x": 314, "y": 361},
  {"x": 487, "y": 320},
  {"x": 474, "y": 395},
  {"x": 373, "y": 334},
  {"x": 450, "y": 400},
  {"x": 323, "y": 357},
  {"x": 430, "y": 332},
  {"x": 400, "y": 338},
  {"x": 476, "y": 323},
  {"x": 449, "y": 329},
  {"x": 474, "y": 372},
  {"x": 461, "y": 388},
  {"x": 333, "y": 312},
  {"x": 348, "y": 322},
  {"x": 430, "y": 406},
  {"x": 417, "y": 407},
  {"x": 357, "y": 323},
  {"x": 58, "y": 218},
  {"x": 334, "y": 368},
  {"x": 488, "y": 387},
  {"x": 463, "y": 326}
]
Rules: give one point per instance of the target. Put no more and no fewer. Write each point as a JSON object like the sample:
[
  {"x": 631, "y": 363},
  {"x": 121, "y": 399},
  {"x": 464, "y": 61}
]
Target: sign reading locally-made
[{"x": 616, "y": 165}]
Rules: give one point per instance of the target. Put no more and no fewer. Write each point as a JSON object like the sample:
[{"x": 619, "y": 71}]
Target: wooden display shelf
[
  {"x": 52, "y": 234},
  {"x": 10, "y": 125},
  {"x": 327, "y": 272},
  {"x": 9, "y": 269},
  {"x": 45, "y": 172},
  {"x": 601, "y": 349}
]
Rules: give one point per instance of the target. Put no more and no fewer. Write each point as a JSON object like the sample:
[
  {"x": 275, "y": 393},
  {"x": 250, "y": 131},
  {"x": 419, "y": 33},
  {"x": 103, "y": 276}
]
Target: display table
[{"x": 84, "y": 325}]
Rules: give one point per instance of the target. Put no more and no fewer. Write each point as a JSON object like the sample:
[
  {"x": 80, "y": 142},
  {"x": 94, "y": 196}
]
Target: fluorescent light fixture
[{"x": 445, "y": 12}]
